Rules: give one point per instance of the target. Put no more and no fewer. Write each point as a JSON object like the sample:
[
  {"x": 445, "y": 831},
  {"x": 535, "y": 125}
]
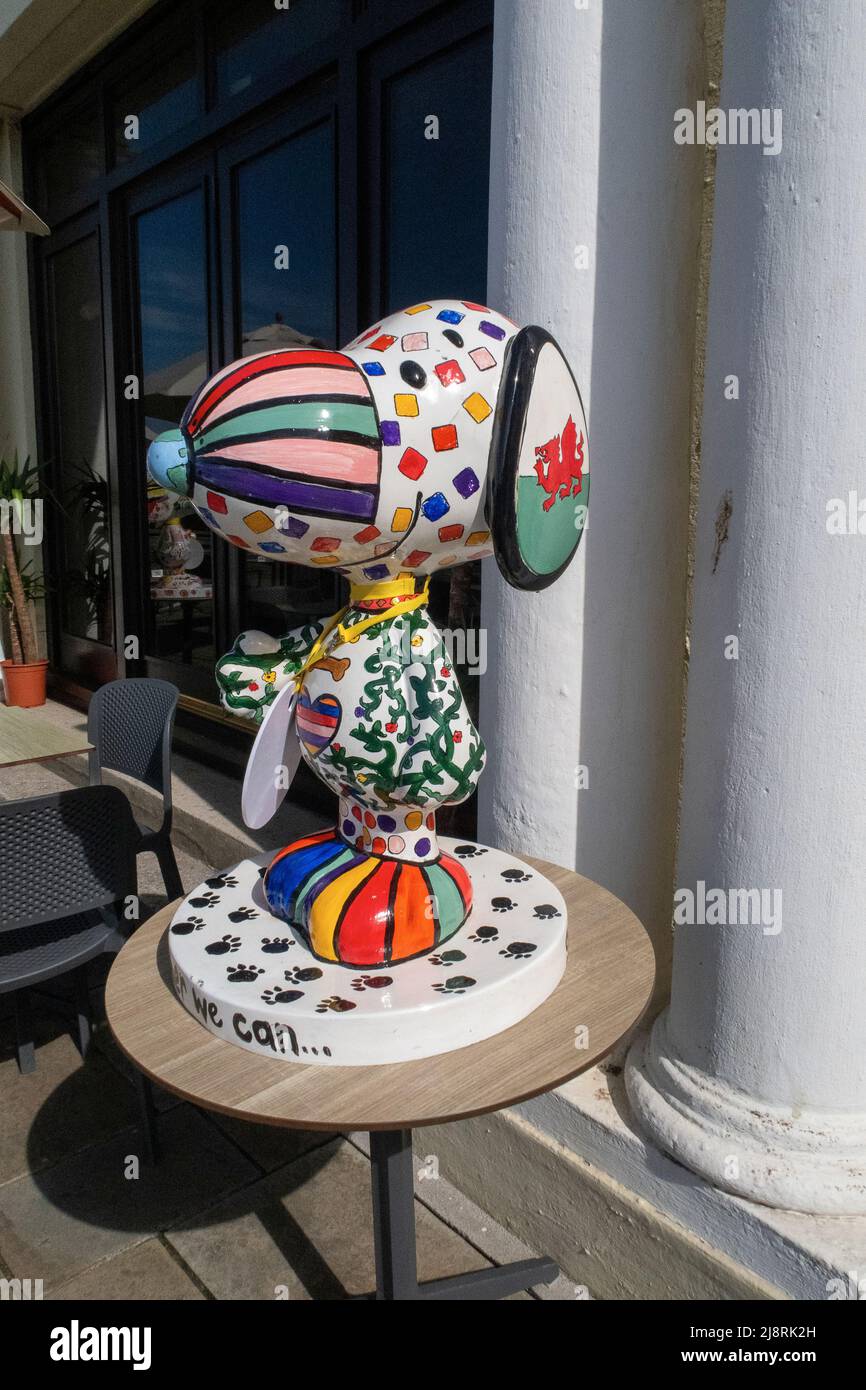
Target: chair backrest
[
  {"x": 130, "y": 724},
  {"x": 70, "y": 852}
]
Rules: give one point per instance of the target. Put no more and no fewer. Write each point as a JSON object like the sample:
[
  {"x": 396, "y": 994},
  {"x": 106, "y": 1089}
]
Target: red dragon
[{"x": 559, "y": 464}]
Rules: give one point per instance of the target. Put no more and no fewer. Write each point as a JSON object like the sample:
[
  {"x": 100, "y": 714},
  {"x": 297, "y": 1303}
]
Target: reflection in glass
[
  {"x": 436, "y": 198},
  {"x": 287, "y": 292},
  {"x": 284, "y": 201},
  {"x": 156, "y": 106},
  {"x": 172, "y": 269},
  {"x": 76, "y": 307},
  {"x": 69, "y": 161},
  {"x": 251, "y": 39},
  {"x": 437, "y": 188}
]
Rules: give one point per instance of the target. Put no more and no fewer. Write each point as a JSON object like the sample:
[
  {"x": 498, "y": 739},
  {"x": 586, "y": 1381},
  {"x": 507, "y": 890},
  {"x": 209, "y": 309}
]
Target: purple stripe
[
  {"x": 342, "y": 867},
  {"x": 289, "y": 492}
]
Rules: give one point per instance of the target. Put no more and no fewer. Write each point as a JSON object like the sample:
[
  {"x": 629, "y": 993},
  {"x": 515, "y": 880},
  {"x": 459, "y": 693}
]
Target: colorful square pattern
[
  {"x": 412, "y": 464},
  {"x": 476, "y": 406},
  {"x": 449, "y": 373},
  {"x": 444, "y": 438}
]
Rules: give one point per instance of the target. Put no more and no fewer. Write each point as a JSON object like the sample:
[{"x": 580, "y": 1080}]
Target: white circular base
[
  {"x": 803, "y": 1160},
  {"x": 250, "y": 979}
]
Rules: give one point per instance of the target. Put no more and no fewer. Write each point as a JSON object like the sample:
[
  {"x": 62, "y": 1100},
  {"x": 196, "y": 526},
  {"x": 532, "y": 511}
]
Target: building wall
[{"x": 43, "y": 42}]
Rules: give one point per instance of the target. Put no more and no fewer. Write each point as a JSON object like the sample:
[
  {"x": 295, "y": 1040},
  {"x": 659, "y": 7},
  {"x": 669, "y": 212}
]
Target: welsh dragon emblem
[{"x": 559, "y": 464}]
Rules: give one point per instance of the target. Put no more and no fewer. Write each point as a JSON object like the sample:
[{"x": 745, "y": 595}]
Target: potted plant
[{"x": 24, "y": 673}]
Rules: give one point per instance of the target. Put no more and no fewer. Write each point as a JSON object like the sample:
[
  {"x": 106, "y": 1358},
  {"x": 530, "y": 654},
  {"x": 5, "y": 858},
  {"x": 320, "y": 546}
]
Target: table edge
[{"x": 364, "y": 1125}]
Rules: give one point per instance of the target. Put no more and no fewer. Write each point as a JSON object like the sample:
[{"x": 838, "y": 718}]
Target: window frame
[{"x": 372, "y": 43}]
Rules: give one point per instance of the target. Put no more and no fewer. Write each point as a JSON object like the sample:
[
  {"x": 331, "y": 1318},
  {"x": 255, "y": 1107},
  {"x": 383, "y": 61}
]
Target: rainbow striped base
[{"x": 362, "y": 910}]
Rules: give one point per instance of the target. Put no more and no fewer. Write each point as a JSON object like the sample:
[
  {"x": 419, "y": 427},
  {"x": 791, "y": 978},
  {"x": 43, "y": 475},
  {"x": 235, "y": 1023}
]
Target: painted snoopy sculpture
[{"x": 440, "y": 436}]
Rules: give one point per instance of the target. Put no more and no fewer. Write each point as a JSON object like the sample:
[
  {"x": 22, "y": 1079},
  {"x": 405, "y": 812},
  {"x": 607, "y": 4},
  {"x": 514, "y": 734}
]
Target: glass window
[
  {"x": 286, "y": 243},
  {"x": 287, "y": 294},
  {"x": 437, "y": 146},
  {"x": 173, "y": 317},
  {"x": 251, "y": 39},
  {"x": 81, "y": 456},
  {"x": 155, "y": 106},
  {"x": 70, "y": 161}
]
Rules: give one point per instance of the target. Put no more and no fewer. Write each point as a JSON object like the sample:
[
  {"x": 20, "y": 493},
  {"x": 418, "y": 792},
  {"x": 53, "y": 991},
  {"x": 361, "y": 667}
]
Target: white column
[
  {"x": 756, "y": 1075},
  {"x": 594, "y": 229}
]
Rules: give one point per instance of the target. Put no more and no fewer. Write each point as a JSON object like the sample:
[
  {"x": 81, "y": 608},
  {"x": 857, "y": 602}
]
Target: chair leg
[
  {"x": 83, "y": 1010},
  {"x": 148, "y": 1117},
  {"x": 169, "y": 870},
  {"x": 25, "y": 1049}
]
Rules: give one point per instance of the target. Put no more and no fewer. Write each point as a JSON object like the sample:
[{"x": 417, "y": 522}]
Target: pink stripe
[
  {"x": 229, "y": 367},
  {"x": 317, "y": 721},
  {"x": 294, "y": 381},
  {"x": 210, "y": 381},
  {"x": 314, "y": 458}
]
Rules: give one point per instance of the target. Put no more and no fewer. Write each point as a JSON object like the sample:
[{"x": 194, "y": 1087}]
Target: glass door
[
  {"x": 279, "y": 234},
  {"x": 172, "y": 267},
  {"x": 75, "y": 455}
]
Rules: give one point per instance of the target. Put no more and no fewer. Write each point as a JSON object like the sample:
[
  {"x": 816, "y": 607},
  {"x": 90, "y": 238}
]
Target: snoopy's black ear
[{"x": 538, "y": 475}]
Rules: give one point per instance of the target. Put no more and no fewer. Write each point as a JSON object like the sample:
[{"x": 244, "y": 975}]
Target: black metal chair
[
  {"x": 66, "y": 861},
  {"x": 130, "y": 724}
]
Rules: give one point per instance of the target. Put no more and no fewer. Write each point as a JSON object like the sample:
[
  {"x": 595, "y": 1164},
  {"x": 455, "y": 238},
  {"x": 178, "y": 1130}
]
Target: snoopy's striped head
[{"x": 415, "y": 448}]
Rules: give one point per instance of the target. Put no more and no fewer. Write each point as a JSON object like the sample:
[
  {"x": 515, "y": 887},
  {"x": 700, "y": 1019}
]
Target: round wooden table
[{"x": 605, "y": 989}]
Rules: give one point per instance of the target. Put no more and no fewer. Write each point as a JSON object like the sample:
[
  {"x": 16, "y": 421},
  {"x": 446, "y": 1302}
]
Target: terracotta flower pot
[{"x": 25, "y": 684}]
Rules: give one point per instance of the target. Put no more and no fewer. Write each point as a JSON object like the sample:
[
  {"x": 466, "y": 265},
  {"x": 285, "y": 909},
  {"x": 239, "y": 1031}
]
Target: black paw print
[
  {"x": 469, "y": 851},
  {"x": 485, "y": 935},
  {"x": 515, "y": 876},
  {"x": 224, "y": 946},
  {"x": 302, "y": 975},
  {"x": 455, "y": 984},
  {"x": 447, "y": 958},
  {"x": 190, "y": 925},
  {"x": 335, "y": 1004},
  {"x": 502, "y": 904},
  {"x": 243, "y": 974},
  {"x": 273, "y": 946},
  {"x": 206, "y": 900},
  {"x": 221, "y": 881},
  {"x": 545, "y": 911},
  {"x": 362, "y": 982},
  {"x": 518, "y": 950},
  {"x": 243, "y": 914},
  {"x": 281, "y": 996}
]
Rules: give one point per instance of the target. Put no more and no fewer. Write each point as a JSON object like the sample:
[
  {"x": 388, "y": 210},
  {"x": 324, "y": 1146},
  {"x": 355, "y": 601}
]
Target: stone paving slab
[
  {"x": 145, "y": 1272},
  {"x": 308, "y": 1229},
  {"x": 57, "y": 1223},
  {"x": 269, "y": 1146},
  {"x": 62, "y": 1107}
]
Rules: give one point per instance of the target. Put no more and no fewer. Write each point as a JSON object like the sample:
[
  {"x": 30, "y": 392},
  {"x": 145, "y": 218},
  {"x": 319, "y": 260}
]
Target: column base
[{"x": 800, "y": 1160}]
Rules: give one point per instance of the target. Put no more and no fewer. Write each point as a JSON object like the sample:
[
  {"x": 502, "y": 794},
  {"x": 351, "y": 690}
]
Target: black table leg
[
  {"x": 393, "y": 1214},
  {"x": 394, "y": 1236}
]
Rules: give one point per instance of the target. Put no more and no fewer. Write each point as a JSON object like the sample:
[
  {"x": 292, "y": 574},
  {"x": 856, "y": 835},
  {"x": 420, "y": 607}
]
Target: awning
[{"x": 16, "y": 216}]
